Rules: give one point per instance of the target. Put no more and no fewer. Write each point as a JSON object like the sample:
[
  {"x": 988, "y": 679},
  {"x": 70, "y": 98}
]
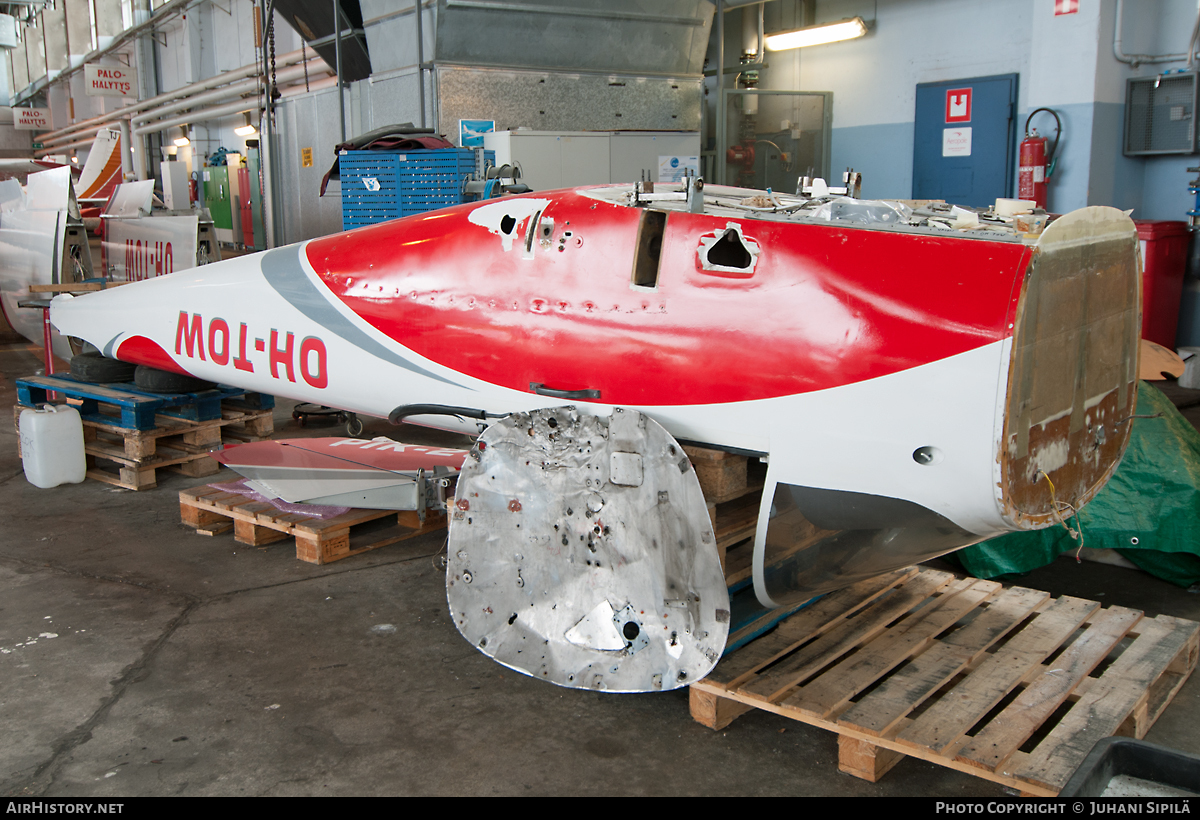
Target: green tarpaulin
[{"x": 1149, "y": 511}]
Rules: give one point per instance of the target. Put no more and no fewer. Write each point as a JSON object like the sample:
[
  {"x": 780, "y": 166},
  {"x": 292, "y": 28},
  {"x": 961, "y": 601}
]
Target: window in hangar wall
[{"x": 771, "y": 138}]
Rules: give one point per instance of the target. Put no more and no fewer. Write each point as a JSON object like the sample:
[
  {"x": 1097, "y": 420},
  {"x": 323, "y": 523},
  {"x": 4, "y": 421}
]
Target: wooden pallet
[
  {"x": 732, "y": 486},
  {"x": 1003, "y": 683},
  {"x": 130, "y": 458},
  {"x": 211, "y": 511},
  {"x": 130, "y": 407}
]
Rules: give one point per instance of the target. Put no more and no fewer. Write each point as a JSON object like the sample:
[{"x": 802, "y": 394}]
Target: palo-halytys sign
[
  {"x": 31, "y": 119},
  {"x": 108, "y": 80}
]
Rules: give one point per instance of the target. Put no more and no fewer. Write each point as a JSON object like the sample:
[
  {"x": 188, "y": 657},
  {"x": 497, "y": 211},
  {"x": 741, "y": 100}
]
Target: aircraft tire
[
  {"x": 96, "y": 368},
  {"x": 153, "y": 380}
]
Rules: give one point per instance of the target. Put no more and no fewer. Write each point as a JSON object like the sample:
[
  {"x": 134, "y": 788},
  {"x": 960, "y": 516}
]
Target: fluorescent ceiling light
[
  {"x": 246, "y": 130},
  {"x": 817, "y": 35}
]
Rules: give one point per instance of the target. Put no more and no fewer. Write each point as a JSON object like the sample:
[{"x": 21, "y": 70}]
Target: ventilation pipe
[
  {"x": 201, "y": 115},
  {"x": 1147, "y": 59},
  {"x": 126, "y": 154},
  {"x": 56, "y": 138},
  {"x": 752, "y": 22},
  {"x": 223, "y": 94},
  {"x": 420, "y": 60},
  {"x": 720, "y": 123}
]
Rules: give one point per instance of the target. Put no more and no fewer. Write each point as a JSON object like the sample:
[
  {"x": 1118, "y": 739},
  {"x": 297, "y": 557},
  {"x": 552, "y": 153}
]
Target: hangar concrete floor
[{"x": 185, "y": 665}]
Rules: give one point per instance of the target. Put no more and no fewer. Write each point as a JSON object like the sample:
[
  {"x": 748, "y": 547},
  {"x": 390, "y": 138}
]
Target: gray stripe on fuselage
[{"x": 284, "y": 271}]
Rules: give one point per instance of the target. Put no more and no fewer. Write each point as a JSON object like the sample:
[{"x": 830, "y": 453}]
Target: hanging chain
[
  {"x": 274, "y": 87},
  {"x": 304, "y": 59}
]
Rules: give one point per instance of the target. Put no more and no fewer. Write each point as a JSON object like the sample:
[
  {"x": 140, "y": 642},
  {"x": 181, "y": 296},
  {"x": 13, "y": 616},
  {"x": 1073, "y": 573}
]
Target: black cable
[
  {"x": 1057, "y": 133},
  {"x": 403, "y": 411}
]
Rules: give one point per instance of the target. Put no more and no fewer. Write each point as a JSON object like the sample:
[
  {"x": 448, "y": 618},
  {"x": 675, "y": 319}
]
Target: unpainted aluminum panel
[
  {"x": 309, "y": 121},
  {"x": 392, "y": 33},
  {"x": 628, "y": 36},
  {"x": 55, "y": 22},
  {"x": 388, "y": 100},
  {"x": 548, "y": 101},
  {"x": 79, "y": 29},
  {"x": 35, "y": 45},
  {"x": 108, "y": 20},
  {"x": 9, "y": 38},
  {"x": 19, "y": 68},
  {"x": 581, "y": 552},
  {"x": 314, "y": 21}
]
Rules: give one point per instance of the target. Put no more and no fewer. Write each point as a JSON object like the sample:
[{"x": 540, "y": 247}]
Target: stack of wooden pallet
[
  {"x": 732, "y": 486},
  {"x": 1007, "y": 684},
  {"x": 211, "y": 510},
  {"x": 130, "y": 434}
]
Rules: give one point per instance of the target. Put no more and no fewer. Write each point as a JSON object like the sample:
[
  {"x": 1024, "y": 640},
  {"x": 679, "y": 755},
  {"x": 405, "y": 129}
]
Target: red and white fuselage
[{"x": 897, "y": 363}]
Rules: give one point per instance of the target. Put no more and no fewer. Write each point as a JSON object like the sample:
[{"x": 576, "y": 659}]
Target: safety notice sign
[
  {"x": 956, "y": 142},
  {"x": 958, "y": 105},
  {"x": 31, "y": 119},
  {"x": 108, "y": 80}
]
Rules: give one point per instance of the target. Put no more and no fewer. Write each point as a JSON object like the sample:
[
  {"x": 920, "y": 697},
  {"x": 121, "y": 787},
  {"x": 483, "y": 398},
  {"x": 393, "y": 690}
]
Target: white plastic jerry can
[{"x": 52, "y": 446}]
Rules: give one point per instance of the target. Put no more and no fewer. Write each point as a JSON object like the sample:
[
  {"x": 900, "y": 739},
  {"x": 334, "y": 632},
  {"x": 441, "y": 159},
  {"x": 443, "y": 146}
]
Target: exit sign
[
  {"x": 38, "y": 146},
  {"x": 958, "y": 105}
]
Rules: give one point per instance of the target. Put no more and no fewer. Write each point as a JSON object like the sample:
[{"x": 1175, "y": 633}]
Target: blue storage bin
[{"x": 382, "y": 185}]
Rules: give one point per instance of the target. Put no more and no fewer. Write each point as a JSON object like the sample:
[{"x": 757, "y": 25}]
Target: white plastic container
[{"x": 52, "y": 446}]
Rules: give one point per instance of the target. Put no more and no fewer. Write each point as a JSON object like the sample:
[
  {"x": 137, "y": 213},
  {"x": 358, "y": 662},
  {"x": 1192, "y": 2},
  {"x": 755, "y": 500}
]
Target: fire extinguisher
[{"x": 1037, "y": 161}]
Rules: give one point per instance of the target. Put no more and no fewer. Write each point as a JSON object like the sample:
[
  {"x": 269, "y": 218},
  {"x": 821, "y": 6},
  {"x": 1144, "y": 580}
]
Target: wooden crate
[
  {"x": 211, "y": 511},
  {"x": 1003, "y": 683},
  {"x": 130, "y": 458}
]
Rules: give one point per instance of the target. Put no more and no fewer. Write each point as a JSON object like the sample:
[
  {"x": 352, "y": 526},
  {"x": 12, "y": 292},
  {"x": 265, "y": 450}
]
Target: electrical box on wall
[{"x": 1160, "y": 115}]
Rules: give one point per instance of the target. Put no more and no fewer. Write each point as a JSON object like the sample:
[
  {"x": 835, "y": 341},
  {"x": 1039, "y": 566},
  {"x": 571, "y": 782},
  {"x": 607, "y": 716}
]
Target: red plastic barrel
[{"x": 1164, "y": 256}]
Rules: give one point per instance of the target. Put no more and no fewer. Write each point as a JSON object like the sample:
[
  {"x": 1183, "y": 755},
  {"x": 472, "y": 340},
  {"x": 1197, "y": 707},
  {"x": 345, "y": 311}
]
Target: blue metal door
[{"x": 964, "y": 140}]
